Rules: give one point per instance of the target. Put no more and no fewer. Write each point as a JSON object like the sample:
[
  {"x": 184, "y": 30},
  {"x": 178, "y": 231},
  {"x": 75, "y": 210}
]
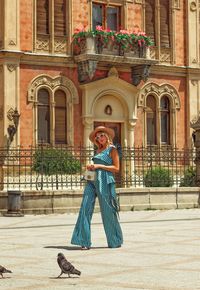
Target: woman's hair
[{"x": 108, "y": 140}]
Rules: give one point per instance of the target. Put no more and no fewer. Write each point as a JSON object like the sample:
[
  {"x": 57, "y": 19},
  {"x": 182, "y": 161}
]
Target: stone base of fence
[{"x": 47, "y": 202}]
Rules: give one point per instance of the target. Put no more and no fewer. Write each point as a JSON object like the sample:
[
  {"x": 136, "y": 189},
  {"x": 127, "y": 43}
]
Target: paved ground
[{"x": 161, "y": 251}]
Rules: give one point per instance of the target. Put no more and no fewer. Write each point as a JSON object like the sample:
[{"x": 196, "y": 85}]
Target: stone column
[
  {"x": 131, "y": 126},
  {"x": 11, "y": 98},
  {"x": 52, "y": 125},
  {"x": 131, "y": 165},
  {"x": 88, "y": 127},
  {"x": 195, "y": 125},
  {"x": 11, "y": 21},
  {"x": 10, "y": 42}
]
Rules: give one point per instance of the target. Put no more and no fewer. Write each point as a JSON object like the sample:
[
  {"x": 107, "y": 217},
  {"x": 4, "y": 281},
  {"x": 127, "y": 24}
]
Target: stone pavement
[{"x": 161, "y": 251}]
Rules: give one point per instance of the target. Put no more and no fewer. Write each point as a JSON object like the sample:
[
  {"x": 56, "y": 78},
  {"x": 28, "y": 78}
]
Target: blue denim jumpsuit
[{"x": 103, "y": 188}]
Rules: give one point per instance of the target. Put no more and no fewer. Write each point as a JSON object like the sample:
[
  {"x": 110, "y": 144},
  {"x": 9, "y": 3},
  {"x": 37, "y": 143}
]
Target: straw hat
[{"x": 110, "y": 132}]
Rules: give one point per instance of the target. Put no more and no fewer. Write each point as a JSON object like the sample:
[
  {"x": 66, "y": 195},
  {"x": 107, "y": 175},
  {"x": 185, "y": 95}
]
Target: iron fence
[{"x": 47, "y": 168}]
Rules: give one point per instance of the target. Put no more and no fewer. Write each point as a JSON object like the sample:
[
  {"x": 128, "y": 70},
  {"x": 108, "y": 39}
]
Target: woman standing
[{"x": 106, "y": 162}]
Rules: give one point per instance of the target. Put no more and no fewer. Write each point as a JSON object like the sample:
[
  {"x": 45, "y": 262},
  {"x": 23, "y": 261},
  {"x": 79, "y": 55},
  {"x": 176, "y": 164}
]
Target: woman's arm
[{"x": 112, "y": 168}]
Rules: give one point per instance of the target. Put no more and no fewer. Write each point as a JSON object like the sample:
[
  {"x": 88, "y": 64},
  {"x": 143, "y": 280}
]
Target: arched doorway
[{"x": 110, "y": 100}]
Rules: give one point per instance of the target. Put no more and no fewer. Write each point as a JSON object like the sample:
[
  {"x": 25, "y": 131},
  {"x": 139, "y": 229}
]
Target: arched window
[
  {"x": 151, "y": 120},
  {"x": 53, "y": 100},
  {"x": 160, "y": 104},
  {"x": 165, "y": 120},
  {"x": 60, "y": 118},
  {"x": 43, "y": 116}
]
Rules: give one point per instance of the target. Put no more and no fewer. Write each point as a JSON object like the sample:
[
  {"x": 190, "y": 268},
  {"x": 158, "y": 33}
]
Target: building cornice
[
  {"x": 30, "y": 58},
  {"x": 174, "y": 70},
  {"x": 36, "y": 59}
]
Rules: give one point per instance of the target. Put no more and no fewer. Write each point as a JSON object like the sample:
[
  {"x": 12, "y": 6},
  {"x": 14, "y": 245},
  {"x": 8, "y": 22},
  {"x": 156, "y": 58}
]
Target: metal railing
[{"x": 47, "y": 168}]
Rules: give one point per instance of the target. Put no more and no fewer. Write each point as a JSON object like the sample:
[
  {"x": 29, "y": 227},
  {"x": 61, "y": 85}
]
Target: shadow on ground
[{"x": 72, "y": 248}]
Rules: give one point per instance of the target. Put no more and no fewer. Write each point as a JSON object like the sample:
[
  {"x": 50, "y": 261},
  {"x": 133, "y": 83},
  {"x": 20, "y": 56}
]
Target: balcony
[{"x": 90, "y": 51}]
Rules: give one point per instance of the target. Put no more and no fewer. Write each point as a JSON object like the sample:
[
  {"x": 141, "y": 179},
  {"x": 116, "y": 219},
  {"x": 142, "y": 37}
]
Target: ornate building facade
[{"x": 61, "y": 95}]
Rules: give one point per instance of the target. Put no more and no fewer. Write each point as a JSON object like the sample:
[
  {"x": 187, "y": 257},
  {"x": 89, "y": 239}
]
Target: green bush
[
  {"x": 158, "y": 177},
  {"x": 189, "y": 177},
  {"x": 55, "y": 161}
]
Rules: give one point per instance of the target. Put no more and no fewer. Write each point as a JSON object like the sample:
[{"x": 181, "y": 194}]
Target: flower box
[{"x": 123, "y": 43}]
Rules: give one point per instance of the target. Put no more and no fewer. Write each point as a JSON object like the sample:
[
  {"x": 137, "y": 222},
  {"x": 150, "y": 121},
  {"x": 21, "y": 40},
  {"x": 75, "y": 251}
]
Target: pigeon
[
  {"x": 66, "y": 267},
  {"x": 4, "y": 270}
]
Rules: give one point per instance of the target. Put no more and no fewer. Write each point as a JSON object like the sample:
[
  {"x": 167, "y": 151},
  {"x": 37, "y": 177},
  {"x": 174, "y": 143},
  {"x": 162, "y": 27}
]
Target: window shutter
[
  {"x": 60, "y": 17},
  {"x": 150, "y": 18},
  {"x": 60, "y": 118},
  {"x": 151, "y": 120},
  {"x": 43, "y": 116},
  {"x": 164, "y": 23},
  {"x": 42, "y": 17},
  {"x": 165, "y": 120}
]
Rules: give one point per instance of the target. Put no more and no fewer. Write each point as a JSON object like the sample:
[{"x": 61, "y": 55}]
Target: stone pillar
[
  {"x": 195, "y": 125},
  {"x": 9, "y": 72},
  {"x": 11, "y": 98},
  {"x": 131, "y": 126},
  {"x": 52, "y": 126},
  {"x": 11, "y": 19},
  {"x": 131, "y": 166},
  {"x": 193, "y": 33},
  {"x": 88, "y": 127}
]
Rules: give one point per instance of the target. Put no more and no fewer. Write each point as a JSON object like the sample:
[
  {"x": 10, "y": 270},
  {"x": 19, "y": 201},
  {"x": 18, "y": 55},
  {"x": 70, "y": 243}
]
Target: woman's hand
[
  {"x": 90, "y": 167},
  {"x": 93, "y": 166}
]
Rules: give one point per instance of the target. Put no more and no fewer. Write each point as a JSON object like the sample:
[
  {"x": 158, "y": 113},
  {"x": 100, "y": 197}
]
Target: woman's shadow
[{"x": 71, "y": 248}]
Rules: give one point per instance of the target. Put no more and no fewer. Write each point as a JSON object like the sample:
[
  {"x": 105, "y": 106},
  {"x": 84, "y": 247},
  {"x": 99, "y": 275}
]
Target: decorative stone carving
[
  {"x": 176, "y": 4},
  {"x": 42, "y": 44},
  {"x": 165, "y": 55},
  {"x": 159, "y": 91},
  {"x": 193, "y": 6},
  {"x": 88, "y": 121},
  {"x": 10, "y": 114},
  {"x": 195, "y": 123},
  {"x": 194, "y": 60},
  {"x": 12, "y": 42},
  {"x": 132, "y": 123},
  {"x": 86, "y": 70},
  {"x": 11, "y": 66},
  {"x": 153, "y": 53},
  {"x": 140, "y": 72},
  {"x": 60, "y": 45},
  {"x": 108, "y": 110},
  {"x": 52, "y": 83},
  {"x": 194, "y": 82},
  {"x": 113, "y": 72}
]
